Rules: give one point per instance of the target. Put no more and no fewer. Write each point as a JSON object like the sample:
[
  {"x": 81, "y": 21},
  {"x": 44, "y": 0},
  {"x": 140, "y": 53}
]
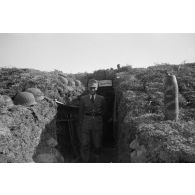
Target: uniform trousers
[{"x": 91, "y": 135}]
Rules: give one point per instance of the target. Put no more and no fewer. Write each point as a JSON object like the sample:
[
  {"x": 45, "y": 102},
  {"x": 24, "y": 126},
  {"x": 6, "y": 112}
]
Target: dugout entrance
[{"x": 106, "y": 89}]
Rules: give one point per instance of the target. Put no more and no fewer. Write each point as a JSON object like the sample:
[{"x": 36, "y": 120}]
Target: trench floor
[{"x": 108, "y": 155}]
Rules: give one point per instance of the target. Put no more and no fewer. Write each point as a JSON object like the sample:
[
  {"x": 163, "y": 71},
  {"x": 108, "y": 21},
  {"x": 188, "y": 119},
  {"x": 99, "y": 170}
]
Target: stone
[
  {"x": 52, "y": 142},
  {"x": 134, "y": 144}
]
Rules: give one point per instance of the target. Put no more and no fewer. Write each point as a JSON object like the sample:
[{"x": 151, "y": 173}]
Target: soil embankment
[
  {"x": 22, "y": 129},
  {"x": 28, "y": 133},
  {"x": 143, "y": 133}
]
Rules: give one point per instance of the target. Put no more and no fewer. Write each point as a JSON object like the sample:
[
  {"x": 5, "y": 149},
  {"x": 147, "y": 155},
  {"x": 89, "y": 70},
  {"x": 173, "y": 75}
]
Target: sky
[{"x": 85, "y": 52}]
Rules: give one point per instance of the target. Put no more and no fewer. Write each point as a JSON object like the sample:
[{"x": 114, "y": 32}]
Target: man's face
[{"x": 92, "y": 90}]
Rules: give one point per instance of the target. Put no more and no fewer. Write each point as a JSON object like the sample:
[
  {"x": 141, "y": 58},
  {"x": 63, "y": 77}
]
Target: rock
[
  {"x": 139, "y": 154},
  {"x": 134, "y": 144},
  {"x": 52, "y": 142}
]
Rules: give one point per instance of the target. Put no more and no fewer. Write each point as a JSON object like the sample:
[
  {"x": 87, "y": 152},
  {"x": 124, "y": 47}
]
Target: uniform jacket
[{"x": 88, "y": 107}]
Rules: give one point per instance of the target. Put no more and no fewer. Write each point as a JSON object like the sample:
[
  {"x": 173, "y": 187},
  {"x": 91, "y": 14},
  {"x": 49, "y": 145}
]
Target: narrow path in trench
[{"x": 108, "y": 155}]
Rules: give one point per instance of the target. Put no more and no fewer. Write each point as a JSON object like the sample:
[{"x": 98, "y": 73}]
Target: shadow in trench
[
  {"x": 47, "y": 150},
  {"x": 109, "y": 149},
  {"x": 67, "y": 132}
]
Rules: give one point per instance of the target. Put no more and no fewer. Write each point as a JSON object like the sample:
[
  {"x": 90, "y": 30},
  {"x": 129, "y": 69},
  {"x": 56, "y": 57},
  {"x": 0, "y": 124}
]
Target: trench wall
[
  {"x": 143, "y": 134},
  {"x": 21, "y": 130},
  {"x": 28, "y": 134}
]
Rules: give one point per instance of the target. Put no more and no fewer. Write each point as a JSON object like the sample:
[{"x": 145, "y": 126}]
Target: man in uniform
[{"x": 91, "y": 113}]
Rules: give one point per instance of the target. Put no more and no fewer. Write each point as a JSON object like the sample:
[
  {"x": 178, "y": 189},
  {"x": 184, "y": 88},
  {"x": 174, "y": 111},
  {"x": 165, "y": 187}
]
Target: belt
[{"x": 93, "y": 114}]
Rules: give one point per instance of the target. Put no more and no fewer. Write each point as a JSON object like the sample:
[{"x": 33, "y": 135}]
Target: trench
[
  {"x": 135, "y": 129},
  {"x": 68, "y": 130}
]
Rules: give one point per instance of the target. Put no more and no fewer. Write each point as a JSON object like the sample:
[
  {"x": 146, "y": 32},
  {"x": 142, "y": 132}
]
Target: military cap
[{"x": 93, "y": 83}]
